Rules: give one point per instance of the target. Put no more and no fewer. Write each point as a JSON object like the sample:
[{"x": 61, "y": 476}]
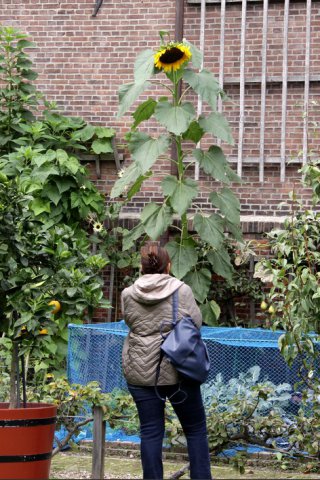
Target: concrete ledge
[{"x": 249, "y": 223}]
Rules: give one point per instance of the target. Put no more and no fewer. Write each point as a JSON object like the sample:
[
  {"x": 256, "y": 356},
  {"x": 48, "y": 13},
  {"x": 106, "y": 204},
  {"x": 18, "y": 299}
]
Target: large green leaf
[
  {"x": 221, "y": 263},
  {"x": 156, "y": 219},
  {"x": 235, "y": 230},
  {"x": 210, "y": 229},
  {"x": 183, "y": 258},
  {"x": 144, "y": 66},
  {"x": 128, "y": 93},
  {"x": 181, "y": 192},
  {"x": 102, "y": 145},
  {"x": 135, "y": 188},
  {"x": 231, "y": 174},
  {"x": 86, "y": 133},
  {"x": 199, "y": 281},
  {"x": 25, "y": 44},
  {"x": 73, "y": 165},
  {"x": 194, "y": 132},
  {"x": 197, "y": 56},
  {"x": 176, "y": 119},
  {"x": 218, "y": 125},
  {"x": 42, "y": 173},
  {"x": 145, "y": 149},
  {"x": 62, "y": 157},
  {"x": 210, "y": 313},
  {"x": 52, "y": 192},
  {"x": 205, "y": 84},
  {"x": 64, "y": 183},
  {"x": 104, "y": 132},
  {"x": 130, "y": 175},
  {"x": 130, "y": 236},
  {"x": 144, "y": 111},
  {"x": 213, "y": 162},
  {"x": 39, "y": 206},
  {"x": 228, "y": 204}
]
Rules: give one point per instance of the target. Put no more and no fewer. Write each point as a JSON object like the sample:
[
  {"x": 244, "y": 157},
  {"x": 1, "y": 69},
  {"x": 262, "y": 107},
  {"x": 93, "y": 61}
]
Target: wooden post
[
  {"x": 179, "y": 22},
  {"x": 99, "y": 432},
  {"x": 178, "y": 36}
]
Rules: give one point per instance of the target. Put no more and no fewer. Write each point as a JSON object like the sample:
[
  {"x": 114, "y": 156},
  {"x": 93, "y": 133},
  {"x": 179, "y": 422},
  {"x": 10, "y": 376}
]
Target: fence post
[{"x": 99, "y": 432}]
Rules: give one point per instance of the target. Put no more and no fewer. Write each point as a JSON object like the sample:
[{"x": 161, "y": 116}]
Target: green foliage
[
  {"x": 179, "y": 119},
  {"x": 18, "y": 97},
  {"x": 46, "y": 200},
  {"x": 75, "y": 403},
  {"x": 293, "y": 276}
]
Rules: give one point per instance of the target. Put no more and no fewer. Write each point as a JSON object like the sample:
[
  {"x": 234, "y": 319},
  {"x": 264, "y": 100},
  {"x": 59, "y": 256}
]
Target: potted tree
[{"x": 48, "y": 274}]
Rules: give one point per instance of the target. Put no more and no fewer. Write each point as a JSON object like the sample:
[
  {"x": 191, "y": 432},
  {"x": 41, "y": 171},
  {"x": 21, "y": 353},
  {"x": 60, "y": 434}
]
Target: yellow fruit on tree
[
  {"x": 271, "y": 309},
  {"x": 263, "y": 305},
  {"x": 56, "y": 305},
  {"x": 43, "y": 331}
]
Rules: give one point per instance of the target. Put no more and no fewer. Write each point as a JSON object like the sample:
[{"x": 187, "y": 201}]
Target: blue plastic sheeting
[{"x": 94, "y": 353}]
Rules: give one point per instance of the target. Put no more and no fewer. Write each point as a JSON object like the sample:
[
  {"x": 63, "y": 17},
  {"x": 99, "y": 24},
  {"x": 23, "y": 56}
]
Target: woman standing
[{"x": 147, "y": 309}]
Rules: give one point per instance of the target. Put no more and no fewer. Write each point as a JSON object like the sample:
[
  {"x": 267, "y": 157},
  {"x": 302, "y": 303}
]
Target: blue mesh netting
[{"x": 94, "y": 353}]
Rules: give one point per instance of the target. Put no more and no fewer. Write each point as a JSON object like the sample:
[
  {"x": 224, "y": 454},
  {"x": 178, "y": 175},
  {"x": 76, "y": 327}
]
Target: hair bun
[{"x": 153, "y": 260}]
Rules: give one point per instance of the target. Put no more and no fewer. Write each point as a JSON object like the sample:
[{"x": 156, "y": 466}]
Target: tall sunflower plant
[{"x": 170, "y": 66}]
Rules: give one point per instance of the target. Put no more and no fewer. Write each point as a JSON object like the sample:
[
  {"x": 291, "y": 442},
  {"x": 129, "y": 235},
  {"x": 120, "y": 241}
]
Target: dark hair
[{"x": 154, "y": 259}]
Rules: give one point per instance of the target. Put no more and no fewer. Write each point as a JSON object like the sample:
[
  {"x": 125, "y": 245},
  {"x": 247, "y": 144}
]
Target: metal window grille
[{"x": 262, "y": 77}]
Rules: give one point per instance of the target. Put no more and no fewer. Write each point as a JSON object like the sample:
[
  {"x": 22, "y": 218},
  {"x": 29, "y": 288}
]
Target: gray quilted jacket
[{"x": 145, "y": 305}]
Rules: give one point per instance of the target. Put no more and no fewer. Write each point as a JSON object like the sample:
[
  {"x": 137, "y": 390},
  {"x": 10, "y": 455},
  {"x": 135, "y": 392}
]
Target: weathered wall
[{"x": 82, "y": 61}]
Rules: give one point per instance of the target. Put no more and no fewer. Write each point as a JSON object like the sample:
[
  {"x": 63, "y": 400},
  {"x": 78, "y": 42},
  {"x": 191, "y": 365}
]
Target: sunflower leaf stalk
[{"x": 180, "y": 62}]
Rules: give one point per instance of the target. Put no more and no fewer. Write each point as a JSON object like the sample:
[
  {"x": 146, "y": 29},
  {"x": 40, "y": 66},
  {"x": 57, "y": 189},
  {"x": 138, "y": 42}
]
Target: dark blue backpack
[{"x": 184, "y": 347}]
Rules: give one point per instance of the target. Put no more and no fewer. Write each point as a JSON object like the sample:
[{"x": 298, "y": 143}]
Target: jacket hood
[{"x": 154, "y": 287}]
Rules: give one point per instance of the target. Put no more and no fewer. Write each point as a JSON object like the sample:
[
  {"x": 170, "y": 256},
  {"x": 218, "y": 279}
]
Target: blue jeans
[{"x": 188, "y": 406}]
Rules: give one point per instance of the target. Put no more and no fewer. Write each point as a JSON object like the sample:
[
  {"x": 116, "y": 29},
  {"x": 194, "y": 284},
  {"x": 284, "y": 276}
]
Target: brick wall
[{"x": 82, "y": 61}]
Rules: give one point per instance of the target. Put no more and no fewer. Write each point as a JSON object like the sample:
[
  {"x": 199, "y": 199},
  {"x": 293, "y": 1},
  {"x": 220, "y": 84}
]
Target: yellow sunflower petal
[{"x": 172, "y": 57}]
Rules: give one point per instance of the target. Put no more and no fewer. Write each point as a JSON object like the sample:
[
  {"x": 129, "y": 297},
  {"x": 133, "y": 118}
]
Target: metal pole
[
  {"x": 221, "y": 61},
  {"x": 202, "y": 34},
  {"x": 306, "y": 83},
  {"x": 284, "y": 92},
  {"x": 242, "y": 85},
  {"x": 263, "y": 88}
]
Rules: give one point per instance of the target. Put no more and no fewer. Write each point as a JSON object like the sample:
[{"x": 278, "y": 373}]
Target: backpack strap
[{"x": 175, "y": 305}]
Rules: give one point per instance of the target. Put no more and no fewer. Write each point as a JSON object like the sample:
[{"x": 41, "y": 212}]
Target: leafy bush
[
  {"x": 293, "y": 274},
  {"x": 46, "y": 206}
]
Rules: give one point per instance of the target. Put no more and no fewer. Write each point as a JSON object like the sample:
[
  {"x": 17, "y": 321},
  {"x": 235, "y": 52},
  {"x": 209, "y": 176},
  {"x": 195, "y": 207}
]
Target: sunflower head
[
  {"x": 172, "y": 56},
  {"x": 97, "y": 227}
]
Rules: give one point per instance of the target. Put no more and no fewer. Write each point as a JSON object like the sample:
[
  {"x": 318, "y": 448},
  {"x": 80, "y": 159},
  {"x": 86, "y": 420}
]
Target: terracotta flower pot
[{"x": 26, "y": 440}]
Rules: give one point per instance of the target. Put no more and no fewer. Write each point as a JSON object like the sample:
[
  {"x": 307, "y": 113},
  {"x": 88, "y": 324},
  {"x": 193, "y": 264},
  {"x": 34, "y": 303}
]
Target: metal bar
[
  {"x": 263, "y": 87},
  {"x": 242, "y": 85},
  {"x": 284, "y": 91},
  {"x": 202, "y": 35},
  {"x": 221, "y": 61},
  {"x": 306, "y": 83}
]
